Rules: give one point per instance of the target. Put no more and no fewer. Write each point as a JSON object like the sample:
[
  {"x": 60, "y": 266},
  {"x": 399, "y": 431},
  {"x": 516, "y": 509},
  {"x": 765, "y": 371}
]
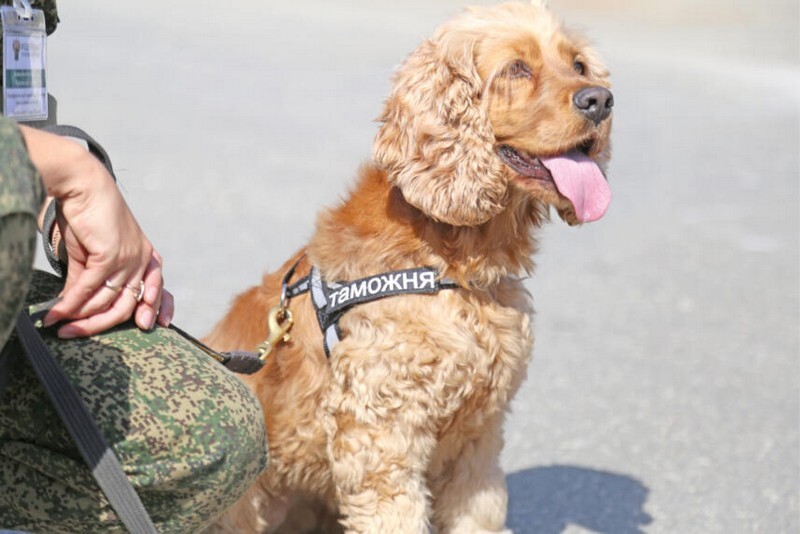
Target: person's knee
[
  {"x": 202, "y": 448},
  {"x": 225, "y": 461},
  {"x": 190, "y": 434}
]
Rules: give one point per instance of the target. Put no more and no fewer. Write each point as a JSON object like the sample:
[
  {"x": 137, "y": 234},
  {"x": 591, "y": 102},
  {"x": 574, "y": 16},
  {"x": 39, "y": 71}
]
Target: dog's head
[{"x": 501, "y": 102}]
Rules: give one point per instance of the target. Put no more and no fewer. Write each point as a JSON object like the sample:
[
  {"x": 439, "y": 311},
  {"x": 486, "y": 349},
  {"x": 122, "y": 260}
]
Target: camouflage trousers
[{"x": 189, "y": 434}]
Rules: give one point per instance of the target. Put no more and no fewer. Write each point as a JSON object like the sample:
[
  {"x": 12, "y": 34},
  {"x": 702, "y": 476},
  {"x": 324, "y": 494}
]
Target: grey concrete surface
[{"x": 663, "y": 396}]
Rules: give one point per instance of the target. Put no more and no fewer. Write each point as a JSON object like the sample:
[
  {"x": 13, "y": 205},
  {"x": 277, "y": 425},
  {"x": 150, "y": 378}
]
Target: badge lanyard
[{"x": 24, "y": 60}]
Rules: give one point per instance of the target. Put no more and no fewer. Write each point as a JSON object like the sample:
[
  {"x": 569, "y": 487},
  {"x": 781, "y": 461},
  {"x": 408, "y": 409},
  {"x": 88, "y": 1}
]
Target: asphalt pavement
[{"x": 663, "y": 395}]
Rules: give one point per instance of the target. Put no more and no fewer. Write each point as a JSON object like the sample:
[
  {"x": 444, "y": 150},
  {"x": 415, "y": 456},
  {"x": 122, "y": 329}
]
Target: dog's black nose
[{"x": 594, "y": 103}]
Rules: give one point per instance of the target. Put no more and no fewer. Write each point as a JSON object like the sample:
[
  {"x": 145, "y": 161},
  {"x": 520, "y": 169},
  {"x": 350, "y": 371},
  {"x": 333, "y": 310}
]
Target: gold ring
[{"x": 137, "y": 290}]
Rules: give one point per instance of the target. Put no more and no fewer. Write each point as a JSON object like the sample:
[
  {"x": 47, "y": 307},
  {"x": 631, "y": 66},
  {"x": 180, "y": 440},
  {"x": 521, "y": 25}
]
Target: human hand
[
  {"x": 108, "y": 255},
  {"x": 98, "y": 296}
]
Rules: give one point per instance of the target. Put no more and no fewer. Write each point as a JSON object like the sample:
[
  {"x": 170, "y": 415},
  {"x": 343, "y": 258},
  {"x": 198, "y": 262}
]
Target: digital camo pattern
[
  {"x": 21, "y": 195},
  {"x": 20, "y": 185},
  {"x": 189, "y": 434},
  {"x": 50, "y": 13}
]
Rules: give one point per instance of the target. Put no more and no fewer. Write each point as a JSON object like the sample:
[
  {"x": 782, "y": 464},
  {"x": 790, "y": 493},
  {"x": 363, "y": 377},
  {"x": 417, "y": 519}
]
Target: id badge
[{"x": 24, "y": 59}]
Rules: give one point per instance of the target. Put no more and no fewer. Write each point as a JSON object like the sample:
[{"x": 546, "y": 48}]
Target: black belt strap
[{"x": 84, "y": 431}]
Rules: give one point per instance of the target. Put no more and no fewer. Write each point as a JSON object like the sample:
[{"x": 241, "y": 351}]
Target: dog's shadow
[
  {"x": 542, "y": 500},
  {"x": 546, "y": 500}
]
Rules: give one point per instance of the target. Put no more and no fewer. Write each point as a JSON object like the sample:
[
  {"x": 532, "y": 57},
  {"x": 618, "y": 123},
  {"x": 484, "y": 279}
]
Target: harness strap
[
  {"x": 319, "y": 296},
  {"x": 299, "y": 287},
  {"x": 332, "y": 300}
]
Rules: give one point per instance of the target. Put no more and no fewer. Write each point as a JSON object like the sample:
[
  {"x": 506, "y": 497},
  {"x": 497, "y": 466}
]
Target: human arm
[{"x": 103, "y": 242}]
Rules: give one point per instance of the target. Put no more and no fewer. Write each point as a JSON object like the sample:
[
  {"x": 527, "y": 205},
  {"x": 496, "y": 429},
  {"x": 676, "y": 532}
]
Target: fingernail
[
  {"x": 151, "y": 294},
  {"x": 68, "y": 332},
  {"x": 163, "y": 319},
  {"x": 49, "y": 320},
  {"x": 148, "y": 319}
]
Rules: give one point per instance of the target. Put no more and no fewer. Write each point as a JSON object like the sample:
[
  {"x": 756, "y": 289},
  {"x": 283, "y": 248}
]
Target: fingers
[
  {"x": 91, "y": 294},
  {"x": 111, "y": 301},
  {"x": 147, "y": 309},
  {"x": 167, "y": 309},
  {"x": 85, "y": 295},
  {"x": 164, "y": 304},
  {"x": 119, "y": 312},
  {"x": 96, "y": 282}
]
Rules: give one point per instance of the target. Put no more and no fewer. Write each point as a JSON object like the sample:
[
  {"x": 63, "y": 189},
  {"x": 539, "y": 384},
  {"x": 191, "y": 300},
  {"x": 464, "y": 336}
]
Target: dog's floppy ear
[{"x": 436, "y": 141}]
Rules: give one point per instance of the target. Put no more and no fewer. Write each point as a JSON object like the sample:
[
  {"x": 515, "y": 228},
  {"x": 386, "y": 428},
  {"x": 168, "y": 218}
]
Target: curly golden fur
[{"x": 400, "y": 431}]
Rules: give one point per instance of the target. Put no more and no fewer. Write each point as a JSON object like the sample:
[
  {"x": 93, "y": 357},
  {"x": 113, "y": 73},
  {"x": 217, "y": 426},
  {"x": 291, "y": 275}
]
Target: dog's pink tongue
[{"x": 578, "y": 178}]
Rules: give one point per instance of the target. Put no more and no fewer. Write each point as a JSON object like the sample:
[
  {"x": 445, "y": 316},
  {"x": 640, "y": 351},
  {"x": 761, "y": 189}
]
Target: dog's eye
[
  {"x": 579, "y": 67},
  {"x": 518, "y": 69}
]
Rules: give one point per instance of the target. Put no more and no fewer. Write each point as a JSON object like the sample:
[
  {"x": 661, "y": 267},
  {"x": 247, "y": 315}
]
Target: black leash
[{"x": 238, "y": 361}]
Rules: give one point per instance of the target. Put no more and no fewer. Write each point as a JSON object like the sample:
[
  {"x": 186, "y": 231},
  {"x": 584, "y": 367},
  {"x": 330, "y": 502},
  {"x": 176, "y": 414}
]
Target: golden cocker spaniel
[{"x": 499, "y": 116}]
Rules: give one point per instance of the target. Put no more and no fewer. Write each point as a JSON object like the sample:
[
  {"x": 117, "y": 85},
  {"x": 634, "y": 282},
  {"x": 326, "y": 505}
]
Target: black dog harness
[{"x": 332, "y": 300}]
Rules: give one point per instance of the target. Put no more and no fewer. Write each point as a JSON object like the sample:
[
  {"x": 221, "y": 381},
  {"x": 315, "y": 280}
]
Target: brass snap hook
[{"x": 279, "y": 322}]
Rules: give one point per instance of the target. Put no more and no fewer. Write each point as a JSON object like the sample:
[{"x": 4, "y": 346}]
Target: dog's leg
[
  {"x": 469, "y": 489},
  {"x": 379, "y": 470}
]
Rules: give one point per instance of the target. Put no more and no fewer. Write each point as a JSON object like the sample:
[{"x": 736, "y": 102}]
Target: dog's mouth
[{"x": 573, "y": 175}]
